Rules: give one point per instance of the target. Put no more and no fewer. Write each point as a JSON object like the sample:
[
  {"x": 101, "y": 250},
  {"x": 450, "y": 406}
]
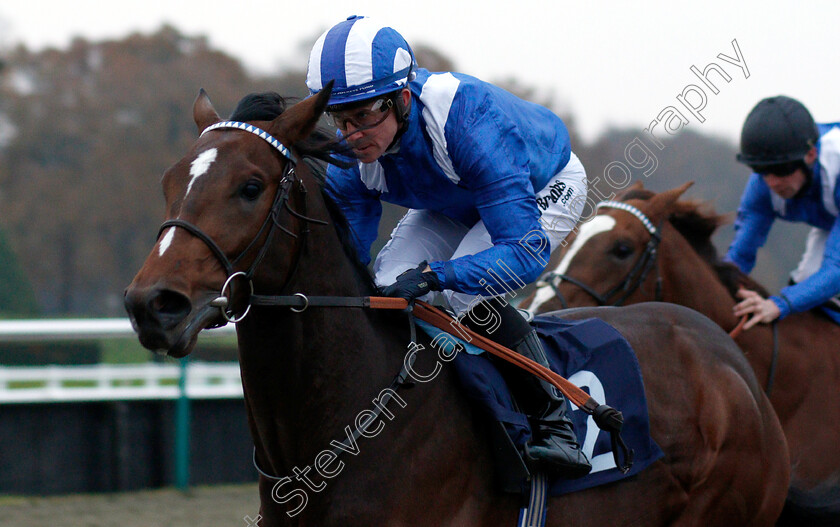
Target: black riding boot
[{"x": 553, "y": 447}]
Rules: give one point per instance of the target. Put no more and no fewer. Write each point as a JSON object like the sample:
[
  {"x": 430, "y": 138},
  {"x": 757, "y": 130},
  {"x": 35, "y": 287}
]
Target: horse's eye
[
  {"x": 621, "y": 250},
  {"x": 251, "y": 190}
]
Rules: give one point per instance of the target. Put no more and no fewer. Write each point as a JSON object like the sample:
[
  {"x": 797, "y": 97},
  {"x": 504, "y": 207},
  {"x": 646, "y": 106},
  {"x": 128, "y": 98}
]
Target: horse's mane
[
  {"x": 321, "y": 143},
  {"x": 342, "y": 227},
  {"x": 696, "y": 221}
]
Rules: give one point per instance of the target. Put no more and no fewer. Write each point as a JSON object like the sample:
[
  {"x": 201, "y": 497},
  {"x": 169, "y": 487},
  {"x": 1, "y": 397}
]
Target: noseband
[
  {"x": 634, "y": 279},
  {"x": 269, "y": 225}
]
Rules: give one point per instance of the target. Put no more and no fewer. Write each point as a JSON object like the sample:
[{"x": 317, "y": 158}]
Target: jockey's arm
[
  {"x": 491, "y": 157},
  {"x": 360, "y": 205},
  {"x": 755, "y": 217},
  {"x": 519, "y": 253},
  {"x": 820, "y": 286}
]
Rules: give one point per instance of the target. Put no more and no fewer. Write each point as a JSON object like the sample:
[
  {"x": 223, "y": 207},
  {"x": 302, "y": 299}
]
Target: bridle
[
  {"x": 633, "y": 280},
  {"x": 636, "y": 277},
  {"x": 269, "y": 226},
  {"x": 297, "y": 302},
  {"x": 606, "y": 417}
]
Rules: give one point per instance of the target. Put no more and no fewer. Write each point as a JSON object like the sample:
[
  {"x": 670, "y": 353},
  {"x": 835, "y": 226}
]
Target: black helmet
[{"x": 778, "y": 130}]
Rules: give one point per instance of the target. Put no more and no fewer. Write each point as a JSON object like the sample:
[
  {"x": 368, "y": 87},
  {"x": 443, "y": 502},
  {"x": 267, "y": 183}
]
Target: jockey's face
[
  {"x": 788, "y": 183},
  {"x": 370, "y": 143},
  {"x": 786, "y": 186}
]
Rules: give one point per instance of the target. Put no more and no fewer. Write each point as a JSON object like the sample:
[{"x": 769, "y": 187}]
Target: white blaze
[
  {"x": 597, "y": 225},
  {"x": 167, "y": 239},
  {"x": 200, "y": 166}
]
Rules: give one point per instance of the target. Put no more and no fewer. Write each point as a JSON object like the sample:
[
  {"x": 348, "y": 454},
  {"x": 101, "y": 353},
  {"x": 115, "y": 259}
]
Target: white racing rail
[
  {"x": 107, "y": 382},
  {"x": 117, "y": 382}
]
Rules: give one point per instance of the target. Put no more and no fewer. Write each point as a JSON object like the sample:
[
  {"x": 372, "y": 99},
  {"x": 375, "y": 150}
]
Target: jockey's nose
[{"x": 352, "y": 131}]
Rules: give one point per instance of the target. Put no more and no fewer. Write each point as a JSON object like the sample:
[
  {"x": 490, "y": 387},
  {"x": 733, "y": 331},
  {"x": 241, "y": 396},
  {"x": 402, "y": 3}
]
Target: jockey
[
  {"x": 490, "y": 182},
  {"x": 795, "y": 165}
]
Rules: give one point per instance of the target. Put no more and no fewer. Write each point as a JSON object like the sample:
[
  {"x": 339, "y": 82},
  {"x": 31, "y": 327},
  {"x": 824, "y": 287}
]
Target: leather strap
[{"x": 606, "y": 417}]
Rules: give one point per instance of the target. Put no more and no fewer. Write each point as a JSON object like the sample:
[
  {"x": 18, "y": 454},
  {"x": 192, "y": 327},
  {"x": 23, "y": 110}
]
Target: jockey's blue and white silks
[
  {"x": 817, "y": 205},
  {"x": 471, "y": 152},
  {"x": 363, "y": 57}
]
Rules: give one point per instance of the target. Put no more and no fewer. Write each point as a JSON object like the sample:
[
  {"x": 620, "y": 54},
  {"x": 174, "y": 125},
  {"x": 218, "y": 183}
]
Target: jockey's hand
[
  {"x": 759, "y": 309},
  {"x": 413, "y": 283}
]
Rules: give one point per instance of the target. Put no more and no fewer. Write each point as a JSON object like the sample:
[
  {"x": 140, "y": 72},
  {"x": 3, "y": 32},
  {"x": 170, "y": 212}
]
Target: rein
[
  {"x": 634, "y": 279},
  {"x": 434, "y": 316},
  {"x": 774, "y": 357},
  {"x": 605, "y": 417}
]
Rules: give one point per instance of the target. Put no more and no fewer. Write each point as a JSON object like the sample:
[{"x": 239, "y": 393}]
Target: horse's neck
[
  {"x": 689, "y": 281},
  {"x": 310, "y": 376},
  {"x": 307, "y": 375}
]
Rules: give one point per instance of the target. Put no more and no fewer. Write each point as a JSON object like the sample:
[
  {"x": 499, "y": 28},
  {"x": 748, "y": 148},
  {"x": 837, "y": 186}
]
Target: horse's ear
[
  {"x": 203, "y": 111},
  {"x": 659, "y": 206},
  {"x": 637, "y": 185},
  {"x": 296, "y": 123}
]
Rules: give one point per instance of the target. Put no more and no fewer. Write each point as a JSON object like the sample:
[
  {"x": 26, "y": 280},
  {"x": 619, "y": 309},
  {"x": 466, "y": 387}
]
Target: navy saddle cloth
[{"x": 592, "y": 355}]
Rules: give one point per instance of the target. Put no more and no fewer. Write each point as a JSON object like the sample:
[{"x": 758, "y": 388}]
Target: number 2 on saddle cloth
[{"x": 592, "y": 355}]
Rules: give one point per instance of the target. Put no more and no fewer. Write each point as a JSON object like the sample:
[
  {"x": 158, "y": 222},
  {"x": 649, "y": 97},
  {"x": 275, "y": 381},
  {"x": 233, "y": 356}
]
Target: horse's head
[
  {"x": 224, "y": 201},
  {"x": 613, "y": 255}
]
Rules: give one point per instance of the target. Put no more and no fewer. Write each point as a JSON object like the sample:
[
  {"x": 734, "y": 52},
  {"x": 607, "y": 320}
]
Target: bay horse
[
  {"x": 246, "y": 215},
  {"x": 802, "y": 375}
]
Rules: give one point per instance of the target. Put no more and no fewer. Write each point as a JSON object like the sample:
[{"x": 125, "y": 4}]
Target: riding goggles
[
  {"x": 365, "y": 117},
  {"x": 778, "y": 169}
]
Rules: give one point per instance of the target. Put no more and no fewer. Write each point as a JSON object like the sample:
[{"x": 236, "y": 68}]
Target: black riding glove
[{"x": 413, "y": 283}]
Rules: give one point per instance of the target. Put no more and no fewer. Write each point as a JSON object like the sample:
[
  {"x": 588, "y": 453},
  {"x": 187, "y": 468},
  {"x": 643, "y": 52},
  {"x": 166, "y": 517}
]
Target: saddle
[{"x": 592, "y": 355}]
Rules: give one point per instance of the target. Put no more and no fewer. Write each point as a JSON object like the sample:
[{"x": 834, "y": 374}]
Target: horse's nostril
[
  {"x": 169, "y": 304},
  {"x": 157, "y": 309}
]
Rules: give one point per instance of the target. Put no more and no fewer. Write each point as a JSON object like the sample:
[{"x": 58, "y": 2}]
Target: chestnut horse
[
  {"x": 240, "y": 217},
  {"x": 804, "y": 370}
]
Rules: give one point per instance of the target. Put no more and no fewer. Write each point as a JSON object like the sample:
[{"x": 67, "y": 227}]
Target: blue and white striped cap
[{"x": 365, "y": 58}]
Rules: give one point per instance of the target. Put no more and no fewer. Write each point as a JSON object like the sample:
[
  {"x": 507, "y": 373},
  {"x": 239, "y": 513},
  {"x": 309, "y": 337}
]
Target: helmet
[
  {"x": 365, "y": 58},
  {"x": 778, "y": 130}
]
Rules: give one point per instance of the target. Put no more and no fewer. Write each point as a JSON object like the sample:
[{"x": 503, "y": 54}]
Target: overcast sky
[{"x": 609, "y": 63}]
